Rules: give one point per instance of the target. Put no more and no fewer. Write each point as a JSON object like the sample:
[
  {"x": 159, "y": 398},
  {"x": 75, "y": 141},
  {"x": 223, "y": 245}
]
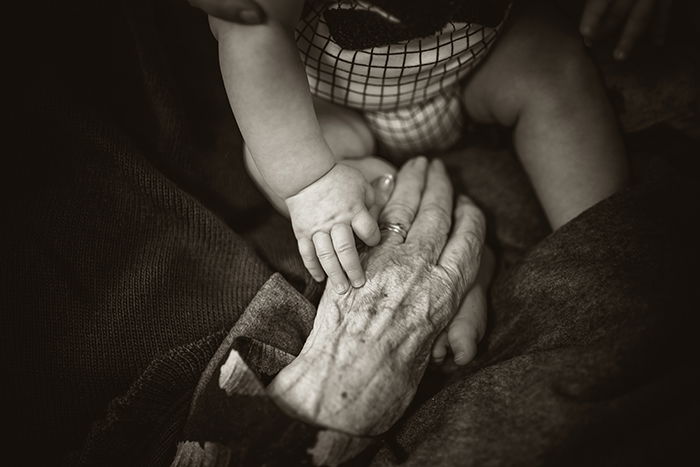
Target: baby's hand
[
  {"x": 632, "y": 17},
  {"x": 464, "y": 332},
  {"x": 468, "y": 325},
  {"x": 324, "y": 216}
]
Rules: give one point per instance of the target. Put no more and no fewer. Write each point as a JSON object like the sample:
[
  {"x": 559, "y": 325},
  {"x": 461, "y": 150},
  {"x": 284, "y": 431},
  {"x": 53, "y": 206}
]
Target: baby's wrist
[
  {"x": 310, "y": 180},
  {"x": 291, "y": 171}
]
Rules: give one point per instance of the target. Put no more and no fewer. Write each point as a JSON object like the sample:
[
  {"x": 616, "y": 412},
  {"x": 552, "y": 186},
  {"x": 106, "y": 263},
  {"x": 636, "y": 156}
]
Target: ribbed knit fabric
[
  {"x": 134, "y": 241},
  {"x": 109, "y": 257}
]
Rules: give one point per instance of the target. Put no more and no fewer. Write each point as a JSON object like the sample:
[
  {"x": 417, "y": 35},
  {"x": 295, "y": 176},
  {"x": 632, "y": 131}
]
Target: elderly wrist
[
  {"x": 354, "y": 364},
  {"x": 351, "y": 401}
]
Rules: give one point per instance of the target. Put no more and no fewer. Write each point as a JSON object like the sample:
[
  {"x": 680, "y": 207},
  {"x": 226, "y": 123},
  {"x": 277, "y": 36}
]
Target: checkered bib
[{"x": 409, "y": 91}]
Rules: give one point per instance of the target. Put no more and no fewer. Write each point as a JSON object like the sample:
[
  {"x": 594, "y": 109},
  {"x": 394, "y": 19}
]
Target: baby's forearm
[{"x": 268, "y": 91}]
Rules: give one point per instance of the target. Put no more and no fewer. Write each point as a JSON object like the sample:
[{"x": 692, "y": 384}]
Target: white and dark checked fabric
[{"x": 408, "y": 91}]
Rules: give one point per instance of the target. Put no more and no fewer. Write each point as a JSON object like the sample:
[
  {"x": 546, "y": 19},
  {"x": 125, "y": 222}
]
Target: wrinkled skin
[{"x": 368, "y": 350}]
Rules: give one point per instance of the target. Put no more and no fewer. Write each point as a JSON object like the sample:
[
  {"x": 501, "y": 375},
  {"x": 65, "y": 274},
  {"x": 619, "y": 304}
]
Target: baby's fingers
[
  {"x": 344, "y": 244},
  {"x": 637, "y": 23},
  {"x": 440, "y": 347},
  {"x": 366, "y": 228},
  {"x": 329, "y": 261},
  {"x": 308, "y": 256},
  {"x": 467, "y": 327}
]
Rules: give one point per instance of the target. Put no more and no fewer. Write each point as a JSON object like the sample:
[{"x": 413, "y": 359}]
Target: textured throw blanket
[{"x": 137, "y": 253}]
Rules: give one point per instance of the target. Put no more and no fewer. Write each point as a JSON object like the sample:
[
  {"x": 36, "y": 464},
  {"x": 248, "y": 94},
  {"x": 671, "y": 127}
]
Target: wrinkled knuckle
[
  {"x": 442, "y": 223},
  {"x": 454, "y": 275},
  {"x": 437, "y": 210},
  {"x": 425, "y": 249},
  {"x": 474, "y": 243},
  {"x": 400, "y": 211}
]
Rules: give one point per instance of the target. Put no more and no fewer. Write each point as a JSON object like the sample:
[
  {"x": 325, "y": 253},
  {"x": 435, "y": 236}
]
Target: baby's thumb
[{"x": 382, "y": 186}]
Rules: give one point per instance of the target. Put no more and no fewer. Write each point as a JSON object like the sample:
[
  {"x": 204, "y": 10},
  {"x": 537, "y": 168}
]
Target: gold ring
[{"x": 396, "y": 228}]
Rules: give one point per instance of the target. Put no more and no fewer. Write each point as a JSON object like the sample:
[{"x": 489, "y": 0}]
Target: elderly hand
[
  {"x": 632, "y": 17},
  {"x": 368, "y": 350},
  {"x": 237, "y": 11}
]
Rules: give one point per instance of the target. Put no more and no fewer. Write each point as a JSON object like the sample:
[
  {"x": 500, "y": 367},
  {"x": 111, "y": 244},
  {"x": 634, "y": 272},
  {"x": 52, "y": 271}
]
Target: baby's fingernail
[
  {"x": 341, "y": 288},
  {"x": 358, "y": 283},
  {"x": 460, "y": 359},
  {"x": 419, "y": 160}
]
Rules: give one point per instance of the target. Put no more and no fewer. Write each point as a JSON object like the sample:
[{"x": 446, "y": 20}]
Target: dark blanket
[{"x": 134, "y": 242}]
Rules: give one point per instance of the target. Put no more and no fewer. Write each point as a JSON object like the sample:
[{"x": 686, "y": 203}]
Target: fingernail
[
  {"x": 420, "y": 160},
  {"x": 459, "y": 358},
  {"x": 250, "y": 16},
  {"x": 341, "y": 288},
  {"x": 385, "y": 181},
  {"x": 357, "y": 284}
]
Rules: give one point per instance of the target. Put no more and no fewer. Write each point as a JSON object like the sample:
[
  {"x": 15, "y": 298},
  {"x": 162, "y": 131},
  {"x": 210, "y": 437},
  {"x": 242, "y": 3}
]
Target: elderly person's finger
[
  {"x": 434, "y": 218},
  {"x": 329, "y": 261},
  {"x": 462, "y": 254},
  {"x": 237, "y": 11},
  {"x": 403, "y": 204},
  {"x": 637, "y": 23}
]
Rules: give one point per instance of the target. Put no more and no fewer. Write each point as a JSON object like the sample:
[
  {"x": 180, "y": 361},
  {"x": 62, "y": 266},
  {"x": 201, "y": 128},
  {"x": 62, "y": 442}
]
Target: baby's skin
[
  {"x": 311, "y": 158},
  {"x": 329, "y": 203}
]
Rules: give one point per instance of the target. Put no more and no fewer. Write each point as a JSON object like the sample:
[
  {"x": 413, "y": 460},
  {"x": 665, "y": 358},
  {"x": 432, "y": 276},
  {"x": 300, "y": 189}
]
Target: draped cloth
[{"x": 135, "y": 248}]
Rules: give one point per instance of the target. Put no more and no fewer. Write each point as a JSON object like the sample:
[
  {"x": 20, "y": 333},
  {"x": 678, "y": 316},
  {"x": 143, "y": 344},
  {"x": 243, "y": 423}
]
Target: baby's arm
[{"x": 268, "y": 91}]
